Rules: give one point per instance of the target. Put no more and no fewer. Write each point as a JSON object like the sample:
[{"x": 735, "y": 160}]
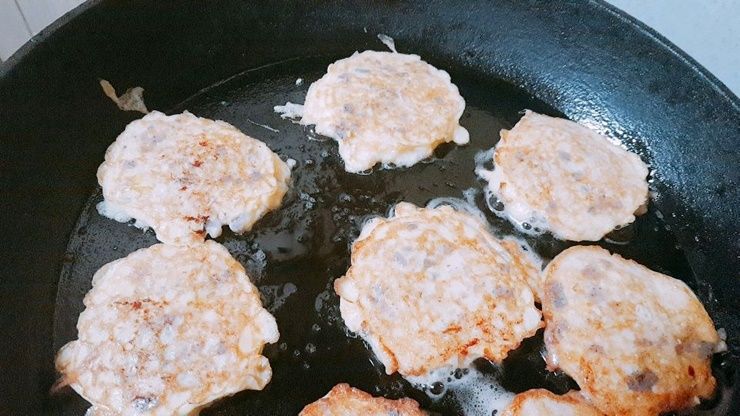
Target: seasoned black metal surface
[
  {"x": 580, "y": 60},
  {"x": 295, "y": 253}
]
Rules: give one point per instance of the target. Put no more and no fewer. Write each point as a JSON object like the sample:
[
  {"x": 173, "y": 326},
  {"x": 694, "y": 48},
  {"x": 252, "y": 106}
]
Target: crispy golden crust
[
  {"x": 637, "y": 342},
  {"x": 344, "y": 400},
  {"x": 460, "y": 293},
  {"x": 540, "y": 402}
]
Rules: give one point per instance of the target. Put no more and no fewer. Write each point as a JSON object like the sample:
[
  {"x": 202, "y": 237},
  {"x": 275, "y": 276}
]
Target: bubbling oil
[{"x": 476, "y": 392}]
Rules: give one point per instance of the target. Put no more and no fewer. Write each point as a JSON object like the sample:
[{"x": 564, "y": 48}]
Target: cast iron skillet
[{"x": 234, "y": 60}]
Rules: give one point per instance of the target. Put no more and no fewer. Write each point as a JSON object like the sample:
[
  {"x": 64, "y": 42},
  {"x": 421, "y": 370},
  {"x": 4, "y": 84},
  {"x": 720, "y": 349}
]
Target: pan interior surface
[{"x": 296, "y": 252}]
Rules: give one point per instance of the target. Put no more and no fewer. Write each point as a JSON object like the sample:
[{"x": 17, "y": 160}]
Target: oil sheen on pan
[{"x": 294, "y": 255}]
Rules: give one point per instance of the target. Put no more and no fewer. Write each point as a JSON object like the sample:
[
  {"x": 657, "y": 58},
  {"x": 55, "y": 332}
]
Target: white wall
[
  {"x": 21, "y": 19},
  {"x": 709, "y": 30}
]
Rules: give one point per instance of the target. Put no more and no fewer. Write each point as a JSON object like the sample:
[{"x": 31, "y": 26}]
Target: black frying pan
[{"x": 234, "y": 60}]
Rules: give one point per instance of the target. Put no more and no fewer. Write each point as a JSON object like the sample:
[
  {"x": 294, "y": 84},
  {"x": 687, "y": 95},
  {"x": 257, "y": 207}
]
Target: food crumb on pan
[
  {"x": 131, "y": 100},
  {"x": 264, "y": 126},
  {"x": 388, "y": 41},
  {"x": 289, "y": 110}
]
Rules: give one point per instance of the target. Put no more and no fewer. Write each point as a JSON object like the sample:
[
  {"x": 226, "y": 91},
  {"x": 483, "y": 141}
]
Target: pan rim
[
  {"x": 600, "y": 6},
  {"x": 724, "y": 100}
]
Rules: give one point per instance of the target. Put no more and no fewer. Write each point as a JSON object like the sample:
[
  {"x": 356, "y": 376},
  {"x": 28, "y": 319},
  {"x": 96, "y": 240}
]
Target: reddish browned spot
[
  {"x": 483, "y": 326},
  {"x": 390, "y": 354},
  {"x": 203, "y": 143},
  {"x": 184, "y": 188},
  {"x": 136, "y": 305},
  {"x": 470, "y": 343},
  {"x": 199, "y": 218},
  {"x": 691, "y": 371},
  {"x": 452, "y": 328},
  {"x": 197, "y": 163},
  {"x": 201, "y": 233}
]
